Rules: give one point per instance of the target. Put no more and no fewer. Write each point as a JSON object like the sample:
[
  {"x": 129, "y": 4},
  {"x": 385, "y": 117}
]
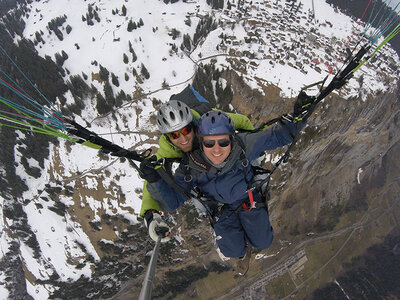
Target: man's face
[
  {"x": 217, "y": 148},
  {"x": 184, "y": 141}
]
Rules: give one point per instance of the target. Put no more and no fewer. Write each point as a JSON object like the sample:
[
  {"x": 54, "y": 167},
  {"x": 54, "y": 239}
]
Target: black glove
[
  {"x": 303, "y": 106},
  {"x": 148, "y": 171},
  {"x": 157, "y": 226}
]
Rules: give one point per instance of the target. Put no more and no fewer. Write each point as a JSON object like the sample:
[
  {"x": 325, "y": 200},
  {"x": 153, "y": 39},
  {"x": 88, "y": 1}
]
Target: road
[{"x": 252, "y": 286}]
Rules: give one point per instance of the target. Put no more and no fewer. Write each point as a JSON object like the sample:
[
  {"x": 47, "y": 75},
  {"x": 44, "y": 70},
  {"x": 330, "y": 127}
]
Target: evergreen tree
[
  {"x": 59, "y": 59},
  {"x": 219, "y": 90},
  {"x": 134, "y": 72},
  {"x": 202, "y": 82},
  {"x": 140, "y": 24},
  {"x": 130, "y": 26},
  {"x": 68, "y": 29},
  {"x": 175, "y": 33},
  {"x": 174, "y": 48},
  {"x": 96, "y": 16},
  {"x": 59, "y": 34},
  {"x": 125, "y": 58},
  {"x": 64, "y": 55},
  {"x": 134, "y": 57},
  {"x": 109, "y": 94},
  {"x": 204, "y": 27},
  {"x": 123, "y": 10},
  {"x": 121, "y": 96},
  {"x": 102, "y": 105},
  {"x": 187, "y": 42},
  {"x": 90, "y": 11},
  {"x": 126, "y": 77},
  {"x": 114, "y": 80},
  {"x": 144, "y": 72},
  {"x": 103, "y": 73},
  {"x": 228, "y": 93},
  {"x": 89, "y": 22}
]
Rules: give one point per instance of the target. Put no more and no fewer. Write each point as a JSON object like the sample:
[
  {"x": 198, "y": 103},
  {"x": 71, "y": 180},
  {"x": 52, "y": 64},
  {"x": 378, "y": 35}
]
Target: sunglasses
[
  {"x": 176, "y": 134},
  {"x": 211, "y": 143}
]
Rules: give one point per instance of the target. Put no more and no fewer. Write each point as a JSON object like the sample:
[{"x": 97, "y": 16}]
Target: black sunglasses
[{"x": 222, "y": 143}]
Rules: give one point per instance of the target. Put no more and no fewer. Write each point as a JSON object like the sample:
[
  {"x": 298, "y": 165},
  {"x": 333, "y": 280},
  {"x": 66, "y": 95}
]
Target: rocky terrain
[{"x": 333, "y": 206}]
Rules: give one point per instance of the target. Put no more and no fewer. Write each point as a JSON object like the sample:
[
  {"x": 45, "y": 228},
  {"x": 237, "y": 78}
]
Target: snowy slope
[{"x": 284, "y": 51}]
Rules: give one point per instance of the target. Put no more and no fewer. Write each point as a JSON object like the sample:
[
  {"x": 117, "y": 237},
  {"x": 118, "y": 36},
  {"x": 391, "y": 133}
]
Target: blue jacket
[{"x": 230, "y": 184}]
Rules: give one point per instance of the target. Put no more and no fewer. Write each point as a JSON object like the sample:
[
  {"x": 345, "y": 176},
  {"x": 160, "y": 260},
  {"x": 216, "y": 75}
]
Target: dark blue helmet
[{"x": 215, "y": 123}]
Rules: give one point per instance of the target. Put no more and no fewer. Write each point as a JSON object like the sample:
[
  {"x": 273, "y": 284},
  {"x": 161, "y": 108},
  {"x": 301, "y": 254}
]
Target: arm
[
  {"x": 148, "y": 203},
  {"x": 169, "y": 195},
  {"x": 269, "y": 138},
  {"x": 168, "y": 150}
]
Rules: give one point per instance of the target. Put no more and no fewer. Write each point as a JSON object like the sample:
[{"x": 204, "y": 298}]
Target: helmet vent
[
  {"x": 181, "y": 114},
  {"x": 172, "y": 115},
  {"x": 165, "y": 121}
]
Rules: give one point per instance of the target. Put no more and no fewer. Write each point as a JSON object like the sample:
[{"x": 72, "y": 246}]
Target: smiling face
[
  {"x": 184, "y": 142},
  {"x": 216, "y": 154}
]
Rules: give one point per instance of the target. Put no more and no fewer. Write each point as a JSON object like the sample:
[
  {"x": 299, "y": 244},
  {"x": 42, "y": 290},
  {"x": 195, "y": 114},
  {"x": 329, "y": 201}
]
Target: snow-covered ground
[{"x": 106, "y": 42}]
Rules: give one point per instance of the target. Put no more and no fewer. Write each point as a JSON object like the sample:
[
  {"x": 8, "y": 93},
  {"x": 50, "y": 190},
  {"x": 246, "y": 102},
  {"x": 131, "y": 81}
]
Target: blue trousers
[{"x": 234, "y": 230}]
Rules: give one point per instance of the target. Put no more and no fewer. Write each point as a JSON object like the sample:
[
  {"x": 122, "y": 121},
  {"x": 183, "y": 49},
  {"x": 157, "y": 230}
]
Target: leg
[
  {"x": 258, "y": 230},
  {"x": 230, "y": 235}
]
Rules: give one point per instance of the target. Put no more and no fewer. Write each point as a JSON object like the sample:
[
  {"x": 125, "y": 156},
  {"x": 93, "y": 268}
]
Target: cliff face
[
  {"x": 342, "y": 162},
  {"x": 69, "y": 215}
]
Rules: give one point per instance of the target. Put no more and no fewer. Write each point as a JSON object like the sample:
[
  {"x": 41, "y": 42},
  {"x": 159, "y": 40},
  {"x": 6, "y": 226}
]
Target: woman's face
[{"x": 219, "y": 147}]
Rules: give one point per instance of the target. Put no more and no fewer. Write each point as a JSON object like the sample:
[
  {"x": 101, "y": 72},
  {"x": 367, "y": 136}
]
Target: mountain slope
[{"x": 73, "y": 229}]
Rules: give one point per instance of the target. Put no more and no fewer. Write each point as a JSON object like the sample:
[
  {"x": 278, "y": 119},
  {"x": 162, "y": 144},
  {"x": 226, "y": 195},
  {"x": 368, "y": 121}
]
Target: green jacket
[{"x": 168, "y": 150}]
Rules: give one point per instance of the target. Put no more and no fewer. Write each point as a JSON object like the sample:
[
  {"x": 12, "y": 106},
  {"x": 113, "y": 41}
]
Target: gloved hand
[
  {"x": 157, "y": 226},
  {"x": 303, "y": 106},
  {"x": 148, "y": 171}
]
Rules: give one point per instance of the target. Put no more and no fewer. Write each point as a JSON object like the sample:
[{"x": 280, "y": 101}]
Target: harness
[{"x": 213, "y": 207}]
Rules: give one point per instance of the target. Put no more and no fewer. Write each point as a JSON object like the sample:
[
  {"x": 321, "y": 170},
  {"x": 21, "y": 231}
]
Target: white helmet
[{"x": 173, "y": 115}]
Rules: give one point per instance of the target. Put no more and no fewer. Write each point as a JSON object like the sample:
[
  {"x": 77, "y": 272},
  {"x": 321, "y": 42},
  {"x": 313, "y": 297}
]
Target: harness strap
[{"x": 250, "y": 193}]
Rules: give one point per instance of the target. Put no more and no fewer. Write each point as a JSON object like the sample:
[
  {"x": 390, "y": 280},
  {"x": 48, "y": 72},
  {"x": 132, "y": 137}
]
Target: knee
[{"x": 265, "y": 241}]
